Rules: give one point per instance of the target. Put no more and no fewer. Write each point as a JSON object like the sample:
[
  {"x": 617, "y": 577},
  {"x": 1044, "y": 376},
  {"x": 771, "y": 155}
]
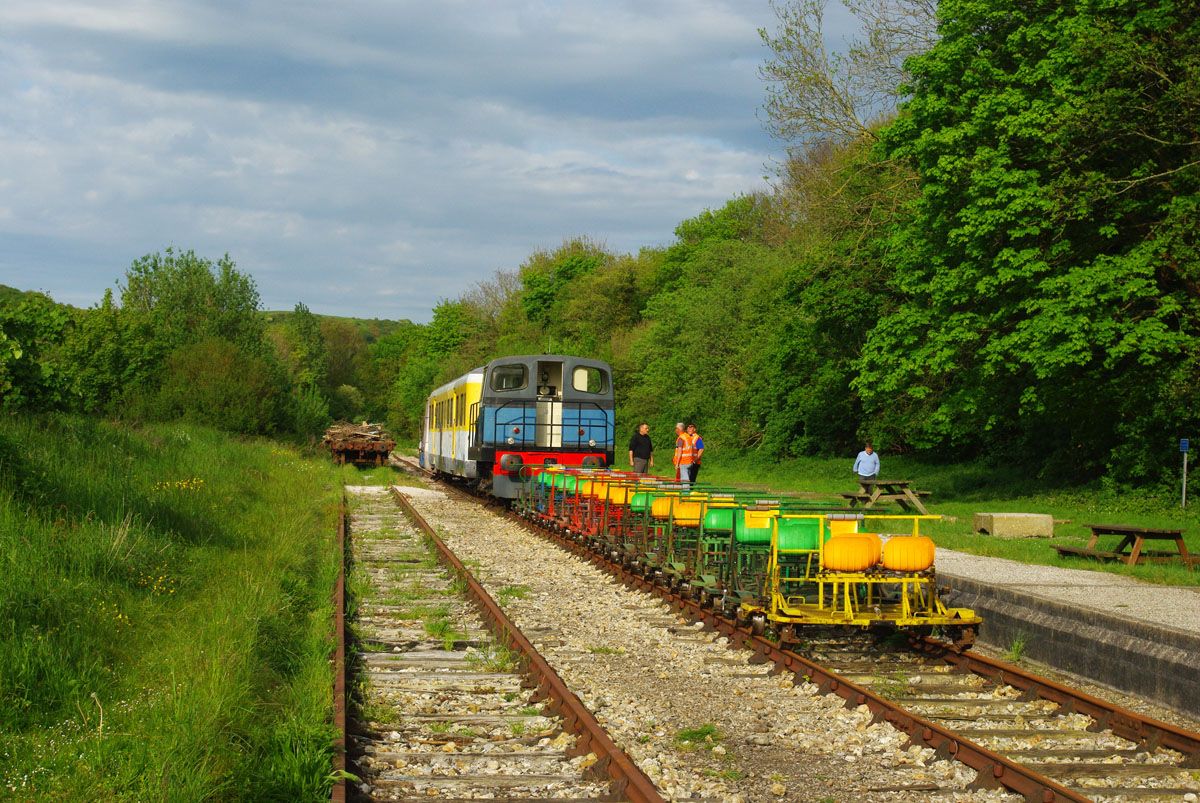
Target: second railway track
[
  {"x": 703, "y": 722},
  {"x": 1064, "y": 745}
]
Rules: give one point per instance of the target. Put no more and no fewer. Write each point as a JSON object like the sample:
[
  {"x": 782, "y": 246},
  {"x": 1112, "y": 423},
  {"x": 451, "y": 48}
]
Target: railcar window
[
  {"x": 508, "y": 377},
  {"x": 589, "y": 380}
]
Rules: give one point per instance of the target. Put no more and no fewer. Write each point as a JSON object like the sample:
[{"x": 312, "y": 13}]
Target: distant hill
[
  {"x": 371, "y": 329},
  {"x": 11, "y": 296}
]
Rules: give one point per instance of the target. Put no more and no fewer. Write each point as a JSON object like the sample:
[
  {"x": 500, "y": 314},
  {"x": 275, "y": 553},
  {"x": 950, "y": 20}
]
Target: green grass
[
  {"x": 508, "y": 593},
  {"x": 1016, "y": 649},
  {"x": 960, "y": 491},
  {"x": 367, "y": 475},
  {"x": 705, "y": 736},
  {"x": 443, "y": 628},
  {"x": 164, "y": 615},
  {"x": 494, "y": 658}
]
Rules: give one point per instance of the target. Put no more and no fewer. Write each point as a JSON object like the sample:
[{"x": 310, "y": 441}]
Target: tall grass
[{"x": 164, "y": 614}]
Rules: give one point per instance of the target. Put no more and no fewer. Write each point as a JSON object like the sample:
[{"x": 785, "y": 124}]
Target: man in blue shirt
[{"x": 866, "y": 465}]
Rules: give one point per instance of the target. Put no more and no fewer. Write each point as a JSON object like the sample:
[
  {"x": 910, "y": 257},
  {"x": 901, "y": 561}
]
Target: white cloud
[{"x": 366, "y": 158}]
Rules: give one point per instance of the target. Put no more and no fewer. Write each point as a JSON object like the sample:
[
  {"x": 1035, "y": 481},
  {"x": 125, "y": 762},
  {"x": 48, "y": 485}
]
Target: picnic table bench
[
  {"x": 872, "y": 492},
  {"x": 1134, "y": 539}
]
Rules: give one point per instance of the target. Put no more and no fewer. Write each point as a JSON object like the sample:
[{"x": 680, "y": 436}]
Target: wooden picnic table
[
  {"x": 872, "y": 492},
  {"x": 1134, "y": 539}
]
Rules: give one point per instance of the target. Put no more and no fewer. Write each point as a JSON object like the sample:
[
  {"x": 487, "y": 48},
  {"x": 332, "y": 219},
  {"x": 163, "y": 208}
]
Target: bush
[{"x": 214, "y": 383}]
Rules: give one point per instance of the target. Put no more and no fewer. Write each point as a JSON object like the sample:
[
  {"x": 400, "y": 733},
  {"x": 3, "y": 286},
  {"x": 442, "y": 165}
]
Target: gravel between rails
[{"x": 649, "y": 677}]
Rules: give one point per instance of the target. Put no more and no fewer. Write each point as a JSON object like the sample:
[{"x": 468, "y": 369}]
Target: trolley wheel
[
  {"x": 758, "y": 624},
  {"x": 961, "y": 638}
]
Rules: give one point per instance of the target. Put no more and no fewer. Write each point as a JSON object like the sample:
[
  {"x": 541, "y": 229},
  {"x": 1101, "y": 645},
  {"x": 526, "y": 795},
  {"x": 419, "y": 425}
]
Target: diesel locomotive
[
  {"x": 538, "y": 431},
  {"x": 496, "y": 426}
]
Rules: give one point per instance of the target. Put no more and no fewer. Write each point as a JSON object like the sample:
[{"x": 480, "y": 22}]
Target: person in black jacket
[{"x": 641, "y": 450}]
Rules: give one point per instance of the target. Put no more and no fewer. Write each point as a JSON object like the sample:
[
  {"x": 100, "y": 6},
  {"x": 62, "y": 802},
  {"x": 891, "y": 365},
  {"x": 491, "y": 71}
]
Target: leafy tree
[
  {"x": 310, "y": 411},
  {"x": 308, "y": 357},
  {"x": 10, "y": 352},
  {"x": 215, "y": 383},
  {"x": 1049, "y": 266},
  {"x": 346, "y": 403},
  {"x": 545, "y": 275},
  {"x": 346, "y": 346},
  {"x": 692, "y": 358},
  {"x": 816, "y": 95},
  {"x": 179, "y": 298},
  {"x": 98, "y": 350},
  {"x": 33, "y": 374}
]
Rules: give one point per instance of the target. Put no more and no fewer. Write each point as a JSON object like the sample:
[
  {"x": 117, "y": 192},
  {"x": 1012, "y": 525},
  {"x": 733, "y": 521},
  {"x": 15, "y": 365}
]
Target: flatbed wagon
[{"x": 365, "y": 444}]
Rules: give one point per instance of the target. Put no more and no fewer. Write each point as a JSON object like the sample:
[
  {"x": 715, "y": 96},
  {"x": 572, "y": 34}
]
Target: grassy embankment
[
  {"x": 960, "y": 491},
  {"x": 164, "y": 614}
]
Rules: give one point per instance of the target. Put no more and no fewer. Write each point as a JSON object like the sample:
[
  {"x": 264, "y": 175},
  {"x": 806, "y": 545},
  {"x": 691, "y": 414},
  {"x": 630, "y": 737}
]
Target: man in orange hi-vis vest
[
  {"x": 685, "y": 454},
  {"x": 679, "y": 430}
]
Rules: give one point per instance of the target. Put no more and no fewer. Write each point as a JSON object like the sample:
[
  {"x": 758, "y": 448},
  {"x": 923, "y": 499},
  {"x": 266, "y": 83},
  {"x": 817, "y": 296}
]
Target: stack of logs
[{"x": 360, "y": 444}]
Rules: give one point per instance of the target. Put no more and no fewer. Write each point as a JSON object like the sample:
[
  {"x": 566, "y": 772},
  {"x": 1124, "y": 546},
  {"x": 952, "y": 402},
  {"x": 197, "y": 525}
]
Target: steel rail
[
  {"x": 1146, "y": 731},
  {"x": 993, "y": 770},
  {"x": 628, "y": 781},
  {"x": 337, "y": 794}
]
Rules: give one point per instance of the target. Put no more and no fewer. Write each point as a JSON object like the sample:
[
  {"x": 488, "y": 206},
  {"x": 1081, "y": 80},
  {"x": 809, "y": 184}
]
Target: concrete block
[{"x": 1015, "y": 525}]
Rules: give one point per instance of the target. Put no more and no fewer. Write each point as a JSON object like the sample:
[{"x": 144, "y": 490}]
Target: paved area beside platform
[
  {"x": 1135, "y": 636},
  {"x": 1174, "y": 607}
]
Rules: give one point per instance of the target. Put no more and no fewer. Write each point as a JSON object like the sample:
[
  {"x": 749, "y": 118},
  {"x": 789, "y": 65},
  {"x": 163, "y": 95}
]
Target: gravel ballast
[{"x": 700, "y": 720}]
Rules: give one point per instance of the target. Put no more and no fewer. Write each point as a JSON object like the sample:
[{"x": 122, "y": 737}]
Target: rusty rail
[
  {"x": 1127, "y": 724},
  {"x": 628, "y": 782},
  {"x": 994, "y": 770},
  {"x": 337, "y": 793}
]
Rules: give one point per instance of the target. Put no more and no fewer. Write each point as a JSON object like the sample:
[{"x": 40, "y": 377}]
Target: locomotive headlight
[
  {"x": 511, "y": 441},
  {"x": 592, "y": 442},
  {"x": 592, "y": 461}
]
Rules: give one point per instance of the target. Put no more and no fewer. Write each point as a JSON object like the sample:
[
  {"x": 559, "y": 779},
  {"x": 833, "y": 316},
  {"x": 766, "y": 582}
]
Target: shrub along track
[
  {"x": 443, "y": 708},
  {"x": 1028, "y": 734}
]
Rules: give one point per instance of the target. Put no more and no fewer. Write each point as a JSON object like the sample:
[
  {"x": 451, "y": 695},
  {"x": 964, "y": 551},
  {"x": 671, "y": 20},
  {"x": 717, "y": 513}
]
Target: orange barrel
[
  {"x": 619, "y": 494},
  {"x": 908, "y": 553},
  {"x": 661, "y": 507},
  {"x": 688, "y": 512},
  {"x": 851, "y": 553}
]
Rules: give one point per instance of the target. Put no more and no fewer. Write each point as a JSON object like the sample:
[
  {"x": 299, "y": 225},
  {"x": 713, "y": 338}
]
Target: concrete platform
[{"x": 1134, "y": 636}]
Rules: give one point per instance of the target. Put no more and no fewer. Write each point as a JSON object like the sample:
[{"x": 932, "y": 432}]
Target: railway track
[
  {"x": 446, "y": 708},
  {"x": 1048, "y": 728},
  {"x": 1032, "y": 736}
]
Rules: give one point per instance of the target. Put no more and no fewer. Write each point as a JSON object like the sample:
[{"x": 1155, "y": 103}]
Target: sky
[{"x": 366, "y": 157}]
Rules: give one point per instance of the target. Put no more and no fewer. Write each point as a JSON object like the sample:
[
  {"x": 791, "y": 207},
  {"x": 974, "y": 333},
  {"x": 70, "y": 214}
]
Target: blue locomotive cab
[{"x": 540, "y": 410}]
